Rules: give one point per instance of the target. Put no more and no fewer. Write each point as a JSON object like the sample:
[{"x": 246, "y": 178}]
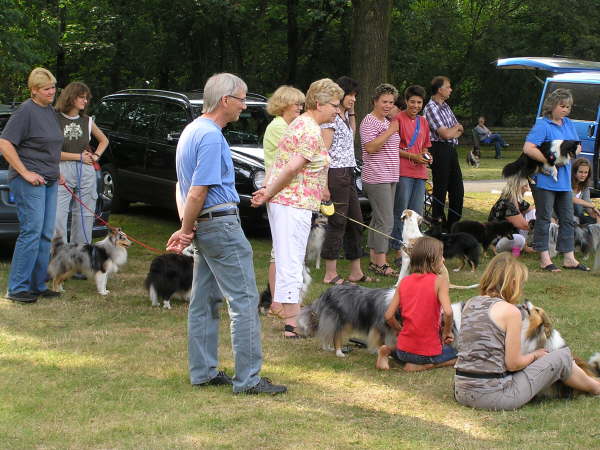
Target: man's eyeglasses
[{"x": 243, "y": 100}]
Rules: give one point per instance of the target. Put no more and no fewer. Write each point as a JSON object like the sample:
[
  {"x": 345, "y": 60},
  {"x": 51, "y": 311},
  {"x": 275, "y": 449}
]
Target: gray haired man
[{"x": 223, "y": 266}]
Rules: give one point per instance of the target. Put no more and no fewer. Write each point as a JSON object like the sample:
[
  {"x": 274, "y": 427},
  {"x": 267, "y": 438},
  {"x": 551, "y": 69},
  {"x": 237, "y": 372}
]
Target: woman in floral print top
[{"x": 296, "y": 185}]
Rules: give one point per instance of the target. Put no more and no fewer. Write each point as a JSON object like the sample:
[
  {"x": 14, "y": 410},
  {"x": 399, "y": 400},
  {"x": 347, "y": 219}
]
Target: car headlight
[{"x": 258, "y": 178}]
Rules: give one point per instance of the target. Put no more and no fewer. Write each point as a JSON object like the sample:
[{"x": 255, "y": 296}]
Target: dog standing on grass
[{"x": 97, "y": 260}]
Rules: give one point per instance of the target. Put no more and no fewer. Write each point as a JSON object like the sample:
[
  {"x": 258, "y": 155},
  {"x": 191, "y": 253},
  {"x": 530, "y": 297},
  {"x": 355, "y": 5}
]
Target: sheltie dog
[
  {"x": 537, "y": 332},
  {"x": 316, "y": 239},
  {"x": 170, "y": 276},
  {"x": 473, "y": 158},
  {"x": 345, "y": 310},
  {"x": 557, "y": 153},
  {"x": 99, "y": 259},
  {"x": 485, "y": 233}
]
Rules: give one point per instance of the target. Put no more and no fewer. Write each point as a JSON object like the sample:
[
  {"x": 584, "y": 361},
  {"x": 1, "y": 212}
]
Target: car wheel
[{"x": 109, "y": 190}]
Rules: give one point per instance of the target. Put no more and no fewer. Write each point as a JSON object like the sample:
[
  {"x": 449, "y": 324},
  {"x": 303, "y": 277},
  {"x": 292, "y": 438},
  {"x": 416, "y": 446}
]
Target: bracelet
[{"x": 350, "y": 115}]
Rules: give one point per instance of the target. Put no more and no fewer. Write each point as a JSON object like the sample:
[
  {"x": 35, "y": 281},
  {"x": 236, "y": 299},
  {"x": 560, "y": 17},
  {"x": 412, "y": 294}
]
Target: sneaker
[
  {"x": 265, "y": 386},
  {"x": 48, "y": 293},
  {"x": 79, "y": 276},
  {"x": 22, "y": 297},
  {"x": 221, "y": 379}
]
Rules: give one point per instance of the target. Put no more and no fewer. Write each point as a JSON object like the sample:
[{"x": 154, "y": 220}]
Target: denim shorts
[{"x": 447, "y": 354}]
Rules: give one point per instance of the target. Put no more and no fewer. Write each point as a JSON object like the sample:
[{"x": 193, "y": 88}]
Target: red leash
[{"x": 104, "y": 222}]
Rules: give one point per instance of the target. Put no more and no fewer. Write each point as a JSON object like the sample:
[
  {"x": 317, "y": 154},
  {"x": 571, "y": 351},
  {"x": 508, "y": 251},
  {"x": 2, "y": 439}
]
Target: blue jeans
[
  {"x": 36, "y": 210},
  {"x": 562, "y": 203},
  {"x": 447, "y": 354},
  {"x": 498, "y": 142},
  {"x": 410, "y": 194},
  {"x": 223, "y": 268}
]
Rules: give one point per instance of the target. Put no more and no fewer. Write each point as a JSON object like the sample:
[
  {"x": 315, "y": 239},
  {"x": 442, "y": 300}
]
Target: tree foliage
[{"x": 177, "y": 44}]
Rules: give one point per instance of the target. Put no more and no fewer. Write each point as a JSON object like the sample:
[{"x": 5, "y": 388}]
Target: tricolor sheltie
[
  {"x": 557, "y": 153},
  {"x": 170, "y": 275},
  {"x": 97, "y": 260},
  {"x": 316, "y": 239}
]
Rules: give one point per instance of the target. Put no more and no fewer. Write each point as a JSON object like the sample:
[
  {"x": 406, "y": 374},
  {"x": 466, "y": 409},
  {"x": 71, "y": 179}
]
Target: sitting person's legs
[{"x": 413, "y": 362}]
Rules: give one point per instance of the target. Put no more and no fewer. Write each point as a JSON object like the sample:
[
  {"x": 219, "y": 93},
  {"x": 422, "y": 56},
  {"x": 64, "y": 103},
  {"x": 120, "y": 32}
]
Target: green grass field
[{"x": 86, "y": 371}]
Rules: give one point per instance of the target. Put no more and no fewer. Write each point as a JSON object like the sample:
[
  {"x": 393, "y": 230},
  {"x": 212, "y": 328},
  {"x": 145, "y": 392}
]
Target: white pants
[
  {"x": 506, "y": 245},
  {"x": 290, "y": 228}
]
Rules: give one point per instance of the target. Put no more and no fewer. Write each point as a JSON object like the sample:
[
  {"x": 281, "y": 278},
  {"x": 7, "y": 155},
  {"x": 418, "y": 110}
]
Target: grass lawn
[
  {"x": 86, "y": 371},
  {"x": 489, "y": 168}
]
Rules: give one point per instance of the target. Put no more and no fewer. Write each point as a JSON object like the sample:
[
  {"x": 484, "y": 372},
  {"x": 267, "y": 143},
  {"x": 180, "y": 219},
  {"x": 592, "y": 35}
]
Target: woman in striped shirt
[{"x": 380, "y": 144}]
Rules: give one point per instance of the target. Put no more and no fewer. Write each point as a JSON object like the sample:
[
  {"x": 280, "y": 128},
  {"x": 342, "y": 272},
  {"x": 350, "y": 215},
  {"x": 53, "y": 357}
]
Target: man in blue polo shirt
[{"x": 223, "y": 266}]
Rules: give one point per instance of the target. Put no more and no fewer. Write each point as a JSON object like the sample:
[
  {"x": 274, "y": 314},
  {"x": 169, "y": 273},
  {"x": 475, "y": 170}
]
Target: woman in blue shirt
[{"x": 552, "y": 195}]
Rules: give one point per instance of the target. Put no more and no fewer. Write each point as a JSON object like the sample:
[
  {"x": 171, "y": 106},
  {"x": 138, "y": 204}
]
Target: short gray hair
[
  {"x": 556, "y": 98},
  {"x": 218, "y": 86}
]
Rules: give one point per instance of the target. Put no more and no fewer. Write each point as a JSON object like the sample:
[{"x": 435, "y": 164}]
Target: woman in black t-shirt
[{"x": 512, "y": 207}]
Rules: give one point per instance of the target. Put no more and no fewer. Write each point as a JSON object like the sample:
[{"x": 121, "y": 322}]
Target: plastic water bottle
[{"x": 516, "y": 251}]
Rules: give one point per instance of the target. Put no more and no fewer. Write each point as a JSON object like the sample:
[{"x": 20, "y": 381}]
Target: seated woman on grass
[
  {"x": 418, "y": 298},
  {"x": 491, "y": 371},
  {"x": 580, "y": 182}
]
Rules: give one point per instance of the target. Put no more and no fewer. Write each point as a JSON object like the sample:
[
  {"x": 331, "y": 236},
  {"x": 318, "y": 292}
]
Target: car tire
[{"x": 110, "y": 190}]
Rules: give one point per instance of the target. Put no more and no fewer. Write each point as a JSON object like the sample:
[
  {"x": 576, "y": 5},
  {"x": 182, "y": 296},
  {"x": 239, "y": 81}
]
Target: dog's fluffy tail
[{"x": 594, "y": 363}]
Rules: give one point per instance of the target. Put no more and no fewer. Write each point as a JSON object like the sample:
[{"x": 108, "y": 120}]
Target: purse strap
[{"x": 416, "y": 133}]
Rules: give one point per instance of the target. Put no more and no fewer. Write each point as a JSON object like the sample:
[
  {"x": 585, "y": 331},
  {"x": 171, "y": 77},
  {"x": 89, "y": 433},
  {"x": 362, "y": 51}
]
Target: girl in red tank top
[{"x": 418, "y": 298}]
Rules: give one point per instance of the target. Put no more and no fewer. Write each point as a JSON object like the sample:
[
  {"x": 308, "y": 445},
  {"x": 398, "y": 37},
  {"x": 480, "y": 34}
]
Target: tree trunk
[
  {"x": 61, "y": 76},
  {"x": 370, "y": 43}
]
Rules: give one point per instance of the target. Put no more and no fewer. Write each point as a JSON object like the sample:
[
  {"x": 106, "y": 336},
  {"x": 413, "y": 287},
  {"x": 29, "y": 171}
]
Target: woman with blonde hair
[
  {"x": 31, "y": 143},
  {"x": 295, "y": 186},
  {"x": 491, "y": 371},
  {"x": 512, "y": 207},
  {"x": 285, "y": 104},
  {"x": 77, "y": 163}
]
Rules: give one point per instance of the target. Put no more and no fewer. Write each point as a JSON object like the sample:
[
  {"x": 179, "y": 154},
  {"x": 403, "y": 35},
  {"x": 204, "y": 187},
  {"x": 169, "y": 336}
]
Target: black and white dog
[
  {"x": 557, "y": 153},
  {"x": 474, "y": 157},
  {"x": 97, "y": 260},
  {"x": 485, "y": 233},
  {"x": 170, "y": 276}
]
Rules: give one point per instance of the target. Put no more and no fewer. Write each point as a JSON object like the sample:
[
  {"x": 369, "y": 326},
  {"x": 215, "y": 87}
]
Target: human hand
[
  {"x": 87, "y": 158},
  {"x": 325, "y": 195},
  {"x": 448, "y": 338},
  {"x": 460, "y": 127},
  {"x": 394, "y": 127},
  {"x": 539, "y": 353},
  {"x": 179, "y": 240},
  {"x": 61, "y": 179},
  {"x": 33, "y": 178},
  {"x": 259, "y": 197}
]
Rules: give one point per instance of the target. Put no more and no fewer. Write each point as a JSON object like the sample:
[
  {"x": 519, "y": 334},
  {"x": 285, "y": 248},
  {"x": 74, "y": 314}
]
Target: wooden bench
[{"x": 513, "y": 136}]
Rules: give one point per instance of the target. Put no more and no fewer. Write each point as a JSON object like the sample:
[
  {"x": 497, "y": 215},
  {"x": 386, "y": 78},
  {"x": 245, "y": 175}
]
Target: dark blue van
[{"x": 582, "y": 78}]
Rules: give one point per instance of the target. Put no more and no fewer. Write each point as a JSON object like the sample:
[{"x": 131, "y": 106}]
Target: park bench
[{"x": 511, "y": 135}]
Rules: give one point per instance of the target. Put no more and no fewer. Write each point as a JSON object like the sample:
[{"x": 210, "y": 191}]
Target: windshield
[
  {"x": 249, "y": 129},
  {"x": 586, "y": 98}
]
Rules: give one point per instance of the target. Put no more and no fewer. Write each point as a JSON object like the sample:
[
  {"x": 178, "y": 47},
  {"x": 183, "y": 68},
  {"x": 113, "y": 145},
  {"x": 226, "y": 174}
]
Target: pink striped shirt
[{"x": 382, "y": 166}]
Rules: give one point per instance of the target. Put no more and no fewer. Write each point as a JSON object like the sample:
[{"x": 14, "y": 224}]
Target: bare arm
[
  {"x": 390, "y": 314},
  {"x": 443, "y": 294},
  {"x": 508, "y": 318},
  {"x": 194, "y": 203},
  {"x": 531, "y": 150},
  {"x": 450, "y": 133},
  {"x": 327, "y": 134},
  {"x": 10, "y": 154},
  {"x": 518, "y": 221},
  {"x": 375, "y": 145}
]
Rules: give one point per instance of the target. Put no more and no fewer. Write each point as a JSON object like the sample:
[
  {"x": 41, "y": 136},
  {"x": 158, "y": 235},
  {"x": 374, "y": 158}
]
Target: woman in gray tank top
[
  {"x": 77, "y": 163},
  {"x": 491, "y": 371}
]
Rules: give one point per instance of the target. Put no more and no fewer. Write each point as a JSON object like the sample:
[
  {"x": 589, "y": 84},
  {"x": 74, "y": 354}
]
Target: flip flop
[
  {"x": 364, "y": 279},
  {"x": 335, "y": 281},
  {"x": 578, "y": 267},
  {"x": 551, "y": 268}
]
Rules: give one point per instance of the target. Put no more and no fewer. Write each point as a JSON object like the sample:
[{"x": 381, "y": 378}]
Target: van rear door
[{"x": 582, "y": 78}]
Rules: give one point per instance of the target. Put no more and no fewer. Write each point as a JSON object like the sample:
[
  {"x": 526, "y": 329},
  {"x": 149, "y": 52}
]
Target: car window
[
  {"x": 144, "y": 117},
  {"x": 586, "y": 99},
  {"x": 250, "y": 127},
  {"x": 173, "y": 119},
  {"x": 108, "y": 113}
]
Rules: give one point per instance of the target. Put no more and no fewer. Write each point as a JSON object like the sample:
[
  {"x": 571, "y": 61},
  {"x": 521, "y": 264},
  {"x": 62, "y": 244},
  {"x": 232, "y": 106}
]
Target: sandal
[
  {"x": 385, "y": 270},
  {"x": 291, "y": 329},
  {"x": 338, "y": 281},
  {"x": 276, "y": 313},
  {"x": 364, "y": 279},
  {"x": 578, "y": 267},
  {"x": 551, "y": 268}
]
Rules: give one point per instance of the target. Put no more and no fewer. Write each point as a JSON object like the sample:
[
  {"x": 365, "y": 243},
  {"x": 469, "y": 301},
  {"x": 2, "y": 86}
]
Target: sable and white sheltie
[
  {"x": 97, "y": 260},
  {"x": 170, "y": 276},
  {"x": 537, "y": 332}
]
